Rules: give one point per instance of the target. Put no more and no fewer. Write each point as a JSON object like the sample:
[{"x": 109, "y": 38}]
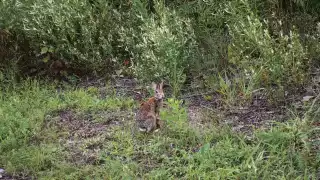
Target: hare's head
[{"x": 158, "y": 90}]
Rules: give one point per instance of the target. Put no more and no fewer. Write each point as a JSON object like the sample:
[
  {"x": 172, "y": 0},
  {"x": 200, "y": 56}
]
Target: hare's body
[{"x": 148, "y": 116}]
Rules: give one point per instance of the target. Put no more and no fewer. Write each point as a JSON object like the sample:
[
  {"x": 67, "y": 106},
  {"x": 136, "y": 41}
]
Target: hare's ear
[
  {"x": 154, "y": 86},
  {"x": 161, "y": 84}
]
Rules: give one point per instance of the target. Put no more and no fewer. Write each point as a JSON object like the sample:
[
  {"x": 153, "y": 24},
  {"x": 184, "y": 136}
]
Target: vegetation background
[{"x": 231, "y": 54}]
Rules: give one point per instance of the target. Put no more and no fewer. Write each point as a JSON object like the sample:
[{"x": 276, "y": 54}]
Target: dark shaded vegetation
[{"x": 272, "y": 42}]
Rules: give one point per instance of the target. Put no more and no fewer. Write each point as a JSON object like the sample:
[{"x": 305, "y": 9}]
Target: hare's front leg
[{"x": 159, "y": 124}]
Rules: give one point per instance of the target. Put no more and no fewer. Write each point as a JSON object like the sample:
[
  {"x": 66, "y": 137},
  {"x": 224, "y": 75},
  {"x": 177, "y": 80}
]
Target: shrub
[
  {"x": 208, "y": 20},
  {"x": 77, "y": 31},
  {"x": 168, "y": 40},
  {"x": 280, "y": 60},
  {"x": 167, "y": 43}
]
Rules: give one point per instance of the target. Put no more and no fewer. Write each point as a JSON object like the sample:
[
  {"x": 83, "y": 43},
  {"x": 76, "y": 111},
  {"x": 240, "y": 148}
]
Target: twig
[
  {"x": 256, "y": 90},
  {"x": 207, "y": 107}
]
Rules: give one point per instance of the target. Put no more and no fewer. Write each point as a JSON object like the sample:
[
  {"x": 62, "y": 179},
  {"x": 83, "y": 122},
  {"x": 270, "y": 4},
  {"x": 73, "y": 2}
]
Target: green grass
[{"x": 35, "y": 142}]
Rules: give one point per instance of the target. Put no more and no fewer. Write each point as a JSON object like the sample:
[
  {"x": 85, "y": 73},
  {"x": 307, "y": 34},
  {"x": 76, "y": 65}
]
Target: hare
[{"x": 148, "y": 115}]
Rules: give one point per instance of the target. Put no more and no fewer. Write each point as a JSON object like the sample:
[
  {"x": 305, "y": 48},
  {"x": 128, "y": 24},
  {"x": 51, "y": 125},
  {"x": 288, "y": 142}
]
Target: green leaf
[
  {"x": 46, "y": 59},
  {"x": 44, "y": 50},
  {"x": 50, "y": 49},
  {"x": 118, "y": 72},
  {"x": 205, "y": 148}
]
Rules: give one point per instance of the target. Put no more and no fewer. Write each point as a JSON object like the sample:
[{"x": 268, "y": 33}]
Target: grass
[{"x": 75, "y": 134}]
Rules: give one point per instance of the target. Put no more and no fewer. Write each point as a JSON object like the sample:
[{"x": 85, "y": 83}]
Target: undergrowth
[{"x": 264, "y": 44}]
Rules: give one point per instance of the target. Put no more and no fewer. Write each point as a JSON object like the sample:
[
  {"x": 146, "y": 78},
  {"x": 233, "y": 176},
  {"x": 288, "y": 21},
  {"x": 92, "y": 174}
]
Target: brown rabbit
[{"x": 147, "y": 117}]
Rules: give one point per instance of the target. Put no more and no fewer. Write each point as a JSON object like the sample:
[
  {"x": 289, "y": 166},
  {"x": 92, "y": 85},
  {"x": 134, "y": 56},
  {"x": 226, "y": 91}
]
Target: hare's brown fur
[{"x": 148, "y": 116}]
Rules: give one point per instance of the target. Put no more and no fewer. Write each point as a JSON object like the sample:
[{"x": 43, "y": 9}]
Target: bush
[
  {"x": 209, "y": 23},
  {"x": 166, "y": 40},
  {"x": 77, "y": 31},
  {"x": 282, "y": 60},
  {"x": 166, "y": 44}
]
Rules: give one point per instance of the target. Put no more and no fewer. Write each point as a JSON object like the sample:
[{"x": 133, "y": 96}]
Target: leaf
[
  {"x": 50, "y": 49},
  {"x": 307, "y": 98},
  {"x": 205, "y": 148},
  {"x": 207, "y": 98},
  {"x": 46, "y": 59},
  {"x": 118, "y": 72},
  {"x": 44, "y": 50}
]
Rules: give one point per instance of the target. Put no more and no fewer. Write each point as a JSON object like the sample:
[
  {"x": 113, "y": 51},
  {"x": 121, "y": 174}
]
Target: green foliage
[
  {"x": 20, "y": 119},
  {"x": 208, "y": 20},
  {"x": 76, "y": 31},
  {"x": 280, "y": 61},
  {"x": 175, "y": 116},
  {"x": 73, "y": 29},
  {"x": 32, "y": 159},
  {"x": 165, "y": 45},
  {"x": 177, "y": 41}
]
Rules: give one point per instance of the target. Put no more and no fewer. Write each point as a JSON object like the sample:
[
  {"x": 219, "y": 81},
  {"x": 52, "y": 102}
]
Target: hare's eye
[{"x": 157, "y": 91}]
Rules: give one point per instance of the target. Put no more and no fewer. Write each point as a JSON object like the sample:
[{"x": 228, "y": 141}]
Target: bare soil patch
[{"x": 83, "y": 134}]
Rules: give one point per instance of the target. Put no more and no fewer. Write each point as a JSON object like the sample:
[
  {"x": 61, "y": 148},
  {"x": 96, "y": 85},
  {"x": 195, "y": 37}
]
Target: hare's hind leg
[
  {"x": 141, "y": 125},
  {"x": 142, "y": 129},
  {"x": 150, "y": 124}
]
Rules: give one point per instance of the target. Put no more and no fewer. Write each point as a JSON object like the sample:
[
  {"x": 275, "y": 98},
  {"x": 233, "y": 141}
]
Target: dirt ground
[{"x": 258, "y": 113}]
